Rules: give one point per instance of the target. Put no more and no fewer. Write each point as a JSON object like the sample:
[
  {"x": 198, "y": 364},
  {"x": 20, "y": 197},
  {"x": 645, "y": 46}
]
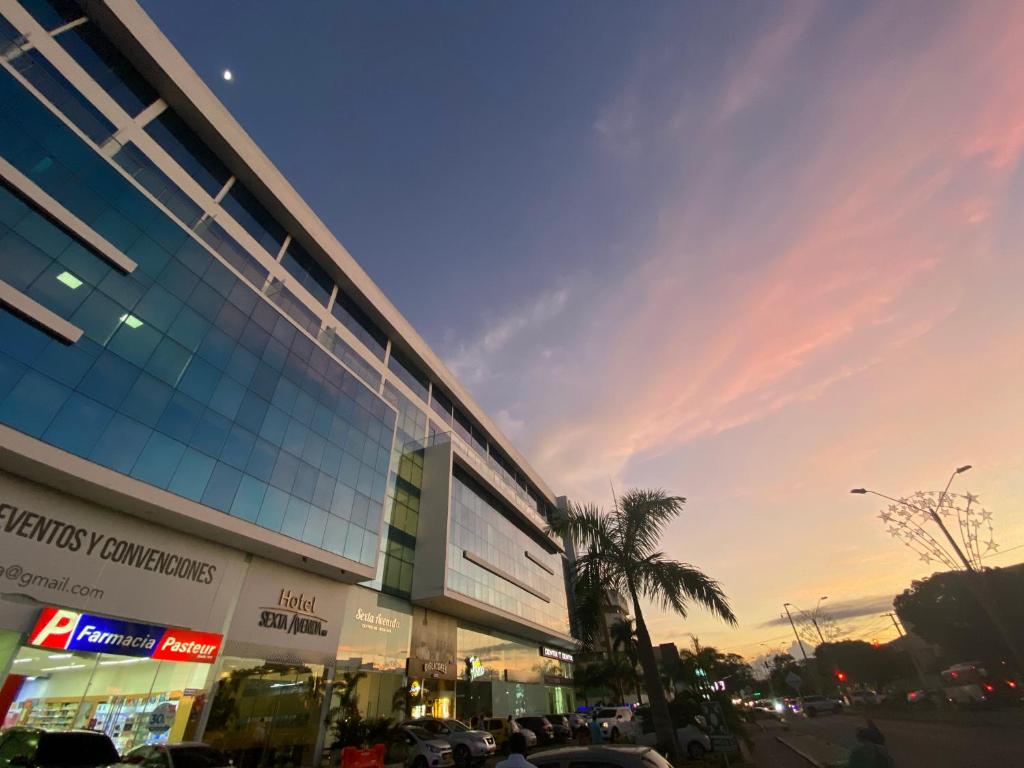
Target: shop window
[
  {"x": 108, "y": 67},
  {"x": 189, "y": 151}
]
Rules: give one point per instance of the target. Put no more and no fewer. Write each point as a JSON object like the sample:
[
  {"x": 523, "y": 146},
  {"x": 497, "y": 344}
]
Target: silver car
[
  {"x": 469, "y": 747},
  {"x": 187, "y": 753},
  {"x": 414, "y": 747}
]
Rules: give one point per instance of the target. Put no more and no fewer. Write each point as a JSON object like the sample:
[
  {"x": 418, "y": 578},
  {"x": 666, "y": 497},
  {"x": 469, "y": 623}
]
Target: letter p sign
[{"x": 54, "y": 628}]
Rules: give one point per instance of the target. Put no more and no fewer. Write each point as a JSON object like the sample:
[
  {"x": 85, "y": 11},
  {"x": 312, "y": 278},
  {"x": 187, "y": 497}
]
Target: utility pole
[
  {"x": 913, "y": 658},
  {"x": 895, "y": 623},
  {"x": 796, "y": 634}
]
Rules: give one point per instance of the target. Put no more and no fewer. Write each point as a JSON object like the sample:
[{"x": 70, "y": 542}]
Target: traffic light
[{"x": 840, "y": 676}]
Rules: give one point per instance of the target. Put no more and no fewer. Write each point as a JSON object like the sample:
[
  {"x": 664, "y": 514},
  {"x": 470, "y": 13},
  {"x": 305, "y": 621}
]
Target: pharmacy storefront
[{"x": 106, "y": 621}]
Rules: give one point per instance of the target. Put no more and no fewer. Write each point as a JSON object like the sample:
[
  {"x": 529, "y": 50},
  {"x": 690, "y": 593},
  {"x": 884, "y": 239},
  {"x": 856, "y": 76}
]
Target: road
[{"x": 912, "y": 744}]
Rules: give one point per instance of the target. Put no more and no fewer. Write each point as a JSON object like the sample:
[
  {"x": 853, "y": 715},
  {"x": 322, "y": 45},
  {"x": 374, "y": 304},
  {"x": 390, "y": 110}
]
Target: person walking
[{"x": 516, "y": 753}]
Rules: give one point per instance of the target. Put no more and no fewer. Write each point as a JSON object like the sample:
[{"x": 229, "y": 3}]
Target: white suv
[
  {"x": 617, "y": 724},
  {"x": 812, "y": 706}
]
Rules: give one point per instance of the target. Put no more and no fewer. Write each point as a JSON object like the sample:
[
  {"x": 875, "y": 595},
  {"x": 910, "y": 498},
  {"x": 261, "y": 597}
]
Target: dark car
[
  {"x": 188, "y": 754},
  {"x": 539, "y": 725},
  {"x": 36, "y": 748},
  {"x": 560, "y": 723}
]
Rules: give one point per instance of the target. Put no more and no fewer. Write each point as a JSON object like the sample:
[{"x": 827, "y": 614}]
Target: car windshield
[
  {"x": 606, "y": 713},
  {"x": 198, "y": 757},
  {"x": 419, "y": 732},
  {"x": 456, "y": 726},
  {"x": 73, "y": 749}
]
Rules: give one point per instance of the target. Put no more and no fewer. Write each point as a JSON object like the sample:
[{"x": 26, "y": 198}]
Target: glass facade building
[{"x": 183, "y": 343}]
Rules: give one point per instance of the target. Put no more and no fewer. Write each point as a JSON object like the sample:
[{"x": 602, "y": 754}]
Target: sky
[{"x": 753, "y": 254}]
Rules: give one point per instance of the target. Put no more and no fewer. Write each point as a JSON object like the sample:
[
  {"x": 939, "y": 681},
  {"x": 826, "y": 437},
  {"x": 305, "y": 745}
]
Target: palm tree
[
  {"x": 589, "y": 609},
  {"x": 621, "y": 552}
]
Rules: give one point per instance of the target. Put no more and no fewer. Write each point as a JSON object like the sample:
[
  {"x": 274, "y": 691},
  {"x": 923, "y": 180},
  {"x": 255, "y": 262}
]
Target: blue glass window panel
[
  {"x": 58, "y": 91},
  {"x": 243, "y": 297},
  {"x": 238, "y": 448},
  {"x": 124, "y": 289},
  {"x": 275, "y": 354},
  {"x": 305, "y": 481},
  {"x": 272, "y": 511},
  {"x": 78, "y": 425},
  {"x": 168, "y": 234},
  {"x": 206, "y": 301},
  {"x": 274, "y": 425},
  {"x": 108, "y": 67},
  {"x": 213, "y": 234},
  {"x": 285, "y": 468},
  {"x": 344, "y": 500},
  {"x": 254, "y": 218},
  {"x": 227, "y": 397},
  {"x": 293, "y": 307},
  {"x": 158, "y": 460},
  {"x": 53, "y": 13},
  {"x": 252, "y": 412},
  {"x": 192, "y": 255},
  {"x": 158, "y": 307},
  {"x": 316, "y": 525},
  {"x": 109, "y": 379},
  {"x": 200, "y": 380},
  {"x": 84, "y": 264},
  {"x": 360, "y": 510},
  {"x": 98, "y": 317},
  {"x": 56, "y": 295},
  {"x": 295, "y": 518},
  {"x": 354, "y": 542},
  {"x": 188, "y": 329},
  {"x": 32, "y": 403},
  {"x": 262, "y": 460},
  {"x": 349, "y": 470},
  {"x": 323, "y": 495},
  {"x": 331, "y": 461},
  {"x": 147, "y": 400},
  {"x": 146, "y": 252},
  {"x": 304, "y": 407},
  {"x": 168, "y": 362},
  {"x": 180, "y": 417},
  {"x": 242, "y": 365},
  {"x": 11, "y": 372},
  {"x": 192, "y": 475},
  {"x": 219, "y": 277},
  {"x": 43, "y": 235},
  {"x": 135, "y": 344},
  {"x": 249, "y": 498},
  {"x": 12, "y": 209},
  {"x": 188, "y": 151},
  {"x": 123, "y": 234},
  {"x": 220, "y": 490},
  {"x": 334, "y": 534},
  {"x": 369, "y": 555},
  {"x": 120, "y": 444},
  {"x": 285, "y": 395},
  {"x": 264, "y": 381},
  {"x": 310, "y": 275},
  {"x": 408, "y": 374},
  {"x": 20, "y": 261},
  {"x": 178, "y": 279},
  {"x": 8, "y": 34},
  {"x": 352, "y": 317},
  {"x": 294, "y": 437},
  {"x": 230, "y": 320},
  {"x": 64, "y": 363},
  {"x": 211, "y": 433},
  {"x": 313, "y": 451},
  {"x": 156, "y": 182},
  {"x": 216, "y": 347}
]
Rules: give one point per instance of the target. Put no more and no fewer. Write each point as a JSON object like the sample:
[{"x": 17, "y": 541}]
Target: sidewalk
[{"x": 816, "y": 751}]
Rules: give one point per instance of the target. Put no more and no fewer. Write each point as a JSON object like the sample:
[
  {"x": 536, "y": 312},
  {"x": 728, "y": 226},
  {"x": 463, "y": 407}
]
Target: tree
[
  {"x": 621, "y": 552},
  {"x": 944, "y": 610},
  {"x": 589, "y": 609},
  {"x": 623, "y": 634},
  {"x": 861, "y": 662}
]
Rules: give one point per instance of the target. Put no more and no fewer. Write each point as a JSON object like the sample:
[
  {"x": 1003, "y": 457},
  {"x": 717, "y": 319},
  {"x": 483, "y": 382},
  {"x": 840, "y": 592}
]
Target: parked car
[
  {"x": 815, "y": 705},
  {"x": 605, "y": 756},
  {"x": 563, "y": 731},
  {"x": 469, "y": 747},
  {"x": 616, "y": 724},
  {"x": 544, "y": 730},
  {"x": 863, "y": 698},
  {"x": 187, "y": 754},
  {"x": 415, "y": 747},
  {"x": 691, "y": 737},
  {"x": 577, "y": 720},
  {"x": 502, "y": 727},
  {"x": 35, "y": 748}
]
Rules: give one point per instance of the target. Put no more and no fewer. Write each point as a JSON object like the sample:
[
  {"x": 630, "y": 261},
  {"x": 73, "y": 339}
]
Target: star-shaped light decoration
[
  {"x": 926, "y": 557},
  {"x": 986, "y": 514},
  {"x": 970, "y": 498},
  {"x": 885, "y": 517},
  {"x": 991, "y": 546}
]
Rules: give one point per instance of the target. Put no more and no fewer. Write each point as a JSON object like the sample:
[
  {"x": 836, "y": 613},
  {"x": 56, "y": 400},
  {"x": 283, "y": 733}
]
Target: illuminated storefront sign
[
  {"x": 556, "y": 654},
  {"x": 62, "y": 629}
]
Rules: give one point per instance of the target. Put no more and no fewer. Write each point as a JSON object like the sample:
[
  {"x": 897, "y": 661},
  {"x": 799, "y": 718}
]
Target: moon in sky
[{"x": 227, "y": 75}]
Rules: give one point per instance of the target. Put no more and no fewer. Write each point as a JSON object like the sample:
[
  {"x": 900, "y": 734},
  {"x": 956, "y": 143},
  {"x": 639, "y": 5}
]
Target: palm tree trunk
[
  {"x": 611, "y": 655},
  {"x": 663, "y": 728}
]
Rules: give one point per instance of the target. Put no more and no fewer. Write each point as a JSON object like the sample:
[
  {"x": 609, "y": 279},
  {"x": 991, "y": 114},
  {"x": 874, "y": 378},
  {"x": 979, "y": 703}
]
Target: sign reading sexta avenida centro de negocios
[{"x": 62, "y": 629}]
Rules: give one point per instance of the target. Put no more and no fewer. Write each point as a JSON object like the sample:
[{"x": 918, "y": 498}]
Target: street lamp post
[
  {"x": 975, "y": 577},
  {"x": 813, "y": 617}
]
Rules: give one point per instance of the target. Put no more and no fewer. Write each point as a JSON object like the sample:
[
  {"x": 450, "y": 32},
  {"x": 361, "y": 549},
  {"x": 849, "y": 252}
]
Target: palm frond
[
  {"x": 672, "y": 585},
  {"x": 642, "y": 517}
]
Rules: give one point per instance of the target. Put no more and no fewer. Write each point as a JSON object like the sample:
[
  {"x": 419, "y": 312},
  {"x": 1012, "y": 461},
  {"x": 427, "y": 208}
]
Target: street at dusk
[{"x": 567, "y": 384}]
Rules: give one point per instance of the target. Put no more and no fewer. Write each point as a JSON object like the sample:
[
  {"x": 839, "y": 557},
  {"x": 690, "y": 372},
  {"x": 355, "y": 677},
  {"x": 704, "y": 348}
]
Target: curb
[{"x": 807, "y": 757}]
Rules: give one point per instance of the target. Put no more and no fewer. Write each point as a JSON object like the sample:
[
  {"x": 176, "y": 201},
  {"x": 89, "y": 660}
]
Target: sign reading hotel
[
  {"x": 65, "y": 630},
  {"x": 294, "y": 614}
]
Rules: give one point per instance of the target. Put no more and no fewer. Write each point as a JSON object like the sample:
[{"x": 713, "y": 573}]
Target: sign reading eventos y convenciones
[{"x": 67, "y": 630}]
